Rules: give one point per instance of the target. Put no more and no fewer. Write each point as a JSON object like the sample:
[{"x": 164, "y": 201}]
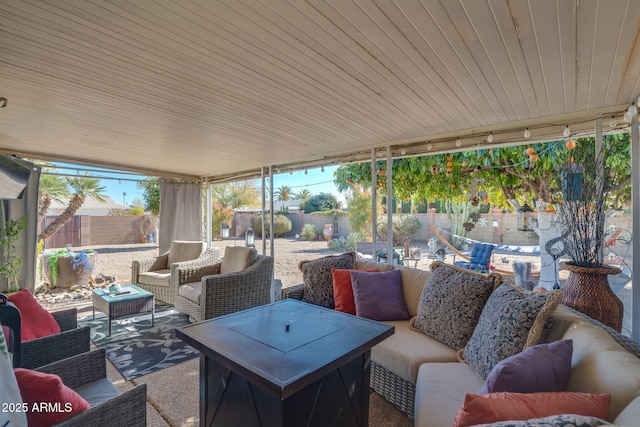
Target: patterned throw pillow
[
  {"x": 565, "y": 420},
  {"x": 511, "y": 321},
  {"x": 451, "y": 303},
  {"x": 318, "y": 280}
]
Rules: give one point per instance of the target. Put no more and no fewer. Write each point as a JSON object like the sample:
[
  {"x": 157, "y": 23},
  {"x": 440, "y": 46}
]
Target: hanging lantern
[
  {"x": 525, "y": 214},
  {"x": 224, "y": 231},
  {"x": 249, "y": 237},
  {"x": 571, "y": 175},
  {"x": 434, "y": 169}
]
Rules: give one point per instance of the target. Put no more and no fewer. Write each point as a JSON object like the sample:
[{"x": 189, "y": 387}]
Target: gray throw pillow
[
  {"x": 451, "y": 303},
  {"x": 512, "y": 320},
  {"x": 565, "y": 420},
  {"x": 318, "y": 280}
]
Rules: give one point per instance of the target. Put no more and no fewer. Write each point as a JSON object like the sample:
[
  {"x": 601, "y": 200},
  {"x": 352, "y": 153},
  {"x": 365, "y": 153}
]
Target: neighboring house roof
[
  {"x": 90, "y": 206},
  {"x": 291, "y": 205}
]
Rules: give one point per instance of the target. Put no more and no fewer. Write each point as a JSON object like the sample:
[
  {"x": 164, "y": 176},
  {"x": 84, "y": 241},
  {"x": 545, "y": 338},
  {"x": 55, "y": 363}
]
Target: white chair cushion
[
  {"x": 237, "y": 258},
  {"x": 155, "y": 278},
  {"x": 440, "y": 392},
  {"x": 185, "y": 251},
  {"x": 191, "y": 291}
]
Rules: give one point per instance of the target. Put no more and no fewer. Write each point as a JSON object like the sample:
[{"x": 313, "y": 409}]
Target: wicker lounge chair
[
  {"x": 34, "y": 353},
  {"x": 87, "y": 374},
  {"x": 205, "y": 292},
  {"x": 155, "y": 274}
]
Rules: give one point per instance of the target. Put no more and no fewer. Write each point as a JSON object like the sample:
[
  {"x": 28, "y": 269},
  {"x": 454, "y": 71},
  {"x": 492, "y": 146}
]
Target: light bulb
[
  {"x": 306, "y": 171},
  {"x": 458, "y": 143},
  {"x": 429, "y": 146},
  {"x": 527, "y": 133},
  {"x": 490, "y": 137},
  {"x": 322, "y": 168},
  {"x": 403, "y": 151},
  {"x": 613, "y": 122},
  {"x": 633, "y": 110},
  {"x": 567, "y": 132},
  {"x": 627, "y": 117}
]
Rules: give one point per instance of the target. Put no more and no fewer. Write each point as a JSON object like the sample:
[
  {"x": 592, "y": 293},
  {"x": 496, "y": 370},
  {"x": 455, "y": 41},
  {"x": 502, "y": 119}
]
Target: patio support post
[
  {"x": 389, "y": 207},
  {"x": 271, "y": 215},
  {"x": 263, "y": 204},
  {"x": 374, "y": 204},
  {"x": 208, "y": 215},
  {"x": 635, "y": 227}
]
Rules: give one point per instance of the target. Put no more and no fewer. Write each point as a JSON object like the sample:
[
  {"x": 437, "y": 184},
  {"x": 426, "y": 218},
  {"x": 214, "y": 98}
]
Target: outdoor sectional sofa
[{"x": 426, "y": 380}]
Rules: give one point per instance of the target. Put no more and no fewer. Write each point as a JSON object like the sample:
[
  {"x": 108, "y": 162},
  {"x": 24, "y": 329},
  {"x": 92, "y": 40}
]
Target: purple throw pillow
[
  {"x": 379, "y": 296},
  {"x": 539, "y": 368}
]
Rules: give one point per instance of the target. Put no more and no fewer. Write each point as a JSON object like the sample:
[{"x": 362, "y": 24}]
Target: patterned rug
[{"x": 135, "y": 348}]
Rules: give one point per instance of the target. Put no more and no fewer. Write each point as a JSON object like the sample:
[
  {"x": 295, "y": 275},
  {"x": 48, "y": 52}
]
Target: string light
[
  {"x": 490, "y": 137},
  {"x": 567, "y": 132},
  {"x": 613, "y": 122},
  {"x": 322, "y": 168},
  {"x": 633, "y": 110},
  {"x": 306, "y": 171},
  {"x": 403, "y": 151},
  {"x": 458, "y": 143},
  {"x": 429, "y": 146},
  {"x": 527, "y": 133}
]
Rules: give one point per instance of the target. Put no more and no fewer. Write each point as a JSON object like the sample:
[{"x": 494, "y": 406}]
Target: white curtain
[
  {"x": 180, "y": 213},
  {"x": 14, "y": 209}
]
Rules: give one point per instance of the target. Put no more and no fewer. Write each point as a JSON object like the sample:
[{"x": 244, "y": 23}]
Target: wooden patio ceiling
[{"x": 215, "y": 89}]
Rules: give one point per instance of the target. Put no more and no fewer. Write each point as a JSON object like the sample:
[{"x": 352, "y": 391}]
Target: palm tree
[
  {"x": 283, "y": 193},
  {"x": 302, "y": 195},
  {"x": 51, "y": 188},
  {"x": 81, "y": 188}
]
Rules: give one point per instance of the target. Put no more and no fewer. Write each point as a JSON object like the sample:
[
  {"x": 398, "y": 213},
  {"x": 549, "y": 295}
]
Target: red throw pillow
[
  {"x": 35, "y": 321},
  {"x": 494, "y": 407},
  {"x": 342, "y": 290},
  {"x": 48, "y": 400}
]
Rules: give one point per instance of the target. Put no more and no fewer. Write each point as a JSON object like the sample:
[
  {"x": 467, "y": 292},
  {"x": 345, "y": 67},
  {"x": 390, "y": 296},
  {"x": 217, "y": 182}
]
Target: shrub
[
  {"x": 359, "y": 207},
  {"x": 403, "y": 226},
  {"x": 135, "y": 211},
  {"x": 282, "y": 224},
  {"x": 308, "y": 232},
  {"x": 220, "y": 214},
  {"x": 322, "y": 202},
  {"x": 352, "y": 240}
]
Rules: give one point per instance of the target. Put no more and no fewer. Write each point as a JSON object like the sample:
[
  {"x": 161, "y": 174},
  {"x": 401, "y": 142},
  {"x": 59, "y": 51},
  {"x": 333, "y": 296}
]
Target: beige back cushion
[
  {"x": 182, "y": 250},
  {"x": 237, "y": 258},
  {"x": 601, "y": 365}
]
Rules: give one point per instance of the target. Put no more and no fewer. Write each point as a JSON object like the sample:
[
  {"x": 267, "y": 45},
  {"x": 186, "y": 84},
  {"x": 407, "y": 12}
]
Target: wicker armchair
[
  {"x": 70, "y": 341},
  {"x": 221, "y": 294},
  {"x": 155, "y": 274},
  {"x": 87, "y": 374}
]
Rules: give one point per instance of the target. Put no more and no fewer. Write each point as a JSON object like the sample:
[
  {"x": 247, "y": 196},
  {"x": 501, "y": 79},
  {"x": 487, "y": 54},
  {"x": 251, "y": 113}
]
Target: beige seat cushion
[
  {"x": 191, "y": 291},
  {"x": 183, "y": 250},
  {"x": 440, "y": 392},
  {"x": 237, "y": 258},
  {"x": 155, "y": 278},
  {"x": 404, "y": 351},
  {"x": 629, "y": 415},
  {"x": 601, "y": 365}
]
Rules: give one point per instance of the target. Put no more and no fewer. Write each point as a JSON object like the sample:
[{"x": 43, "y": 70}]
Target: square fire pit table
[
  {"x": 130, "y": 300},
  {"x": 287, "y": 363}
]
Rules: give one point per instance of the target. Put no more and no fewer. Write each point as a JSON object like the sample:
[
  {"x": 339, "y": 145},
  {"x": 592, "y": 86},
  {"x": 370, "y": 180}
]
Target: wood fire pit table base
[
  {"x": 285, "y": 364},
  {"x": 130, "y": 300}
]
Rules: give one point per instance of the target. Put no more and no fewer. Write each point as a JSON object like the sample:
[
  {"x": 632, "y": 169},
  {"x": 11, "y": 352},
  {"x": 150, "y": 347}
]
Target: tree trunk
[{"x": 74, "y": 204}]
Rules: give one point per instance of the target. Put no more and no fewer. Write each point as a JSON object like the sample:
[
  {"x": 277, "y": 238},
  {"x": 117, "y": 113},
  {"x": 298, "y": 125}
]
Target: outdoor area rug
[{"x": 135, "y": 348}]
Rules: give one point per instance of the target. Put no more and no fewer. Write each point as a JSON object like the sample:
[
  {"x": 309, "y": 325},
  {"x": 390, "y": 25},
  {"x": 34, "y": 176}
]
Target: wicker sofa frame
[
  {"x": 166, "y": 293},
  {"x": 401, "y": 393},
  {"x": 127, "y": 409},
  {"x": 224, "y": 293}
]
